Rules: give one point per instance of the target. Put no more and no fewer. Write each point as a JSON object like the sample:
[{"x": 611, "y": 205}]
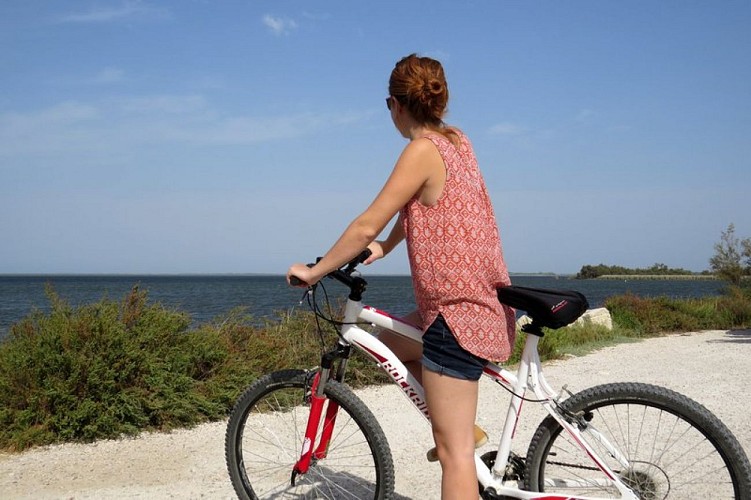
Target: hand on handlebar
[
  {"x": 304, "y": 275},
  {"x": 376, "y": 252}
]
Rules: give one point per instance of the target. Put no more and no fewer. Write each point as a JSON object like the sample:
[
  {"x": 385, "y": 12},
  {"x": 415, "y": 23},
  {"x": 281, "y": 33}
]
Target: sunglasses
[{"x": 389, "y": 102}]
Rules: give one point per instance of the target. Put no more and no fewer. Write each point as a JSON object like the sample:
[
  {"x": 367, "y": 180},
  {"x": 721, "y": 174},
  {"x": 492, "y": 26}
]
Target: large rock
[{"x": 599, "y": 316}]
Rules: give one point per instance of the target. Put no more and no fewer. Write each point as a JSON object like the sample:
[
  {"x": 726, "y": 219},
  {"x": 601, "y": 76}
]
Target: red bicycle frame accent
[{"x": 311, "y": 431}]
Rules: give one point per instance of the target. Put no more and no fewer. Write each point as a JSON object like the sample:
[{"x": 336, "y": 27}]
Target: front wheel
[
  {"x": 265, "y": 436},
  {"x": 674, "y": 447}
]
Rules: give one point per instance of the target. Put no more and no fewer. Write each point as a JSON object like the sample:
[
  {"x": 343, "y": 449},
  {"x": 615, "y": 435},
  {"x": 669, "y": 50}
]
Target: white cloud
[
  {"x": 126, "y": 10},
  {"x": 164, "y": 104},
  {"x": 507, "y": 128},
  {"x": 279, "y": 25},
  {"x": 65, "y": 113},
  {"x": 243, "y": 130},
  {"x": 107, "y": 76},
  {"x": 54, "y": 129},
  {"x": 585, "y": 115},
  {"x": 246, "y": 130},
  {"x": 125, "y": 124}
]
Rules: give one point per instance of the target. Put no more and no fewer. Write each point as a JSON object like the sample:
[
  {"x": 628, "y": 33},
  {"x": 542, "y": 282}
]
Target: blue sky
[{"x": 240, "y": 136}]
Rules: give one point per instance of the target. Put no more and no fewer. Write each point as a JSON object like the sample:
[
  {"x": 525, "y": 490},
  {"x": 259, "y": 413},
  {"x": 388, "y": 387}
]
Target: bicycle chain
[{"x": 584, "y": 467}]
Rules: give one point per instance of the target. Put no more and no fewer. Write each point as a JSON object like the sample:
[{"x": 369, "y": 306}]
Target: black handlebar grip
[
  {"x": 364, "y": 255},
  {"x": 295, "y": 281}
]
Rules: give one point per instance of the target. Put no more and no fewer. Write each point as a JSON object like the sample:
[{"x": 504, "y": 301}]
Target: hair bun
[
  {"x": 430, "y": 92},
  {"x": 421, "y": 85},
  {"x": 434, "y": 86}
]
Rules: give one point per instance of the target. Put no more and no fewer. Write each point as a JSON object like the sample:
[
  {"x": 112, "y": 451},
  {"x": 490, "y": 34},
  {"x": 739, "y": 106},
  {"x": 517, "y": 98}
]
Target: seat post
[{"x": 533, "y": 329}]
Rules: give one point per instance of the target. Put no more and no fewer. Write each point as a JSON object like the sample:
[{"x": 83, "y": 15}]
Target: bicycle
[{"x": 305, "y": 434}]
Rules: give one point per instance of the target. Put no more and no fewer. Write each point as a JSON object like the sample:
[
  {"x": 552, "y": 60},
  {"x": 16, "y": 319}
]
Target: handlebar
[{"x": 343, "y": 274}]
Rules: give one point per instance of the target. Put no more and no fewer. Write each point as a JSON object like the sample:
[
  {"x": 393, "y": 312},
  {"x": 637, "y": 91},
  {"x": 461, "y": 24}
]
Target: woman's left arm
[{"x": 380, "y": 249}]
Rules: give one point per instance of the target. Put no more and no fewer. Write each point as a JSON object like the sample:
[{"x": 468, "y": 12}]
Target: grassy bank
[
  {"x": 119, "y": 368},
  {"x": 689, "y": 277}
]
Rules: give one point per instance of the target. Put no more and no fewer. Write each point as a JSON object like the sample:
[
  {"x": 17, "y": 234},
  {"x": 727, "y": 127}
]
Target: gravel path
[{"x": 712, "y": 367}]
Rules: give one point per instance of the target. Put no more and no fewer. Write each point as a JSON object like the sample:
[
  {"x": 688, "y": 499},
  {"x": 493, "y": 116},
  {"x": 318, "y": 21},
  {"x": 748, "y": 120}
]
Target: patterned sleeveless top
[{"x": 456, "y": 259}]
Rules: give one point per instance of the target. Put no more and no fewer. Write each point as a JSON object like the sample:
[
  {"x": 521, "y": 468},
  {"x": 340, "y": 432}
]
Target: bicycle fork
[{"x": 311, "y": 452}]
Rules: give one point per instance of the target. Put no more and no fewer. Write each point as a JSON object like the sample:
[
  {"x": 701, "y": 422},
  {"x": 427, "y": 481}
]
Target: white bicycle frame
[{"x": 528, "y": 376}]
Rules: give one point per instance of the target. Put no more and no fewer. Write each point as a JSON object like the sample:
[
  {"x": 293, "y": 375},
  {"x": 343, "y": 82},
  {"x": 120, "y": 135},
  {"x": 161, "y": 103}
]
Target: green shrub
[
  {"x": 108, "y": 369},
  {"x": 661, "y": 314},
  {"x": 97, "y": 371},
  {"x": 735, "y": 306}
]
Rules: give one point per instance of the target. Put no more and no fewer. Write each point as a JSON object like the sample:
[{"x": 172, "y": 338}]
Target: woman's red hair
[{"x": 419, "y": 84}]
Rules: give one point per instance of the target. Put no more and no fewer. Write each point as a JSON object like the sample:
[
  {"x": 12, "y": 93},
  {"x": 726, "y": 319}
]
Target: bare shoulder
[
  {"x": 421, "y": 148},
  {"x": 421, "y": 157}
]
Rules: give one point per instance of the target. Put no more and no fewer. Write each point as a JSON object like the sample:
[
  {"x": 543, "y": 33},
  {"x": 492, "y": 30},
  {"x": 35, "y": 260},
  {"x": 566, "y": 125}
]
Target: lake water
[{"x": 206, "y": 297}]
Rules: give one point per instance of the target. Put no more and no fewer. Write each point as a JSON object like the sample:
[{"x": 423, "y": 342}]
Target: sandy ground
[{"x": 712, "y": 367}]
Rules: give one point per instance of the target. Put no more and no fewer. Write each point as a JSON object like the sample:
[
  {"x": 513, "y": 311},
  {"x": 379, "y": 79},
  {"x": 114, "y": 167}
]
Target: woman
[{"x": 454, "y": 248}]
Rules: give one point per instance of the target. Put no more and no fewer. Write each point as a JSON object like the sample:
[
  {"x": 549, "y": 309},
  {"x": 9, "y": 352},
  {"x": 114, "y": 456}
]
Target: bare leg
[
  {"x": 452, "y": 404},
  {"x": 408, "y": 351}
]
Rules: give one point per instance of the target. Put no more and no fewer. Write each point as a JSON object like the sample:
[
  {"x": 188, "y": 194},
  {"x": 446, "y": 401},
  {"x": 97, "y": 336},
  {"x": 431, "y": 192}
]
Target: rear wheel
[
  {"x": 675, "y": 447},
  {"x": 265, "y": 436}
]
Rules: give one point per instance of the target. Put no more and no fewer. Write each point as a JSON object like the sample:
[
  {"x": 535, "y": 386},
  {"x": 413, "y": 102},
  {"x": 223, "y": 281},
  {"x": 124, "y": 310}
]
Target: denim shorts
[{"x": 441, "y": 353}]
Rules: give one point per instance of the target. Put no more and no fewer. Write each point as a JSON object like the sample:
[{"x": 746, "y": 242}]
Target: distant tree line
[
  {"x": 591, "y": 272},
  {"x": 731, "y": 262}
]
